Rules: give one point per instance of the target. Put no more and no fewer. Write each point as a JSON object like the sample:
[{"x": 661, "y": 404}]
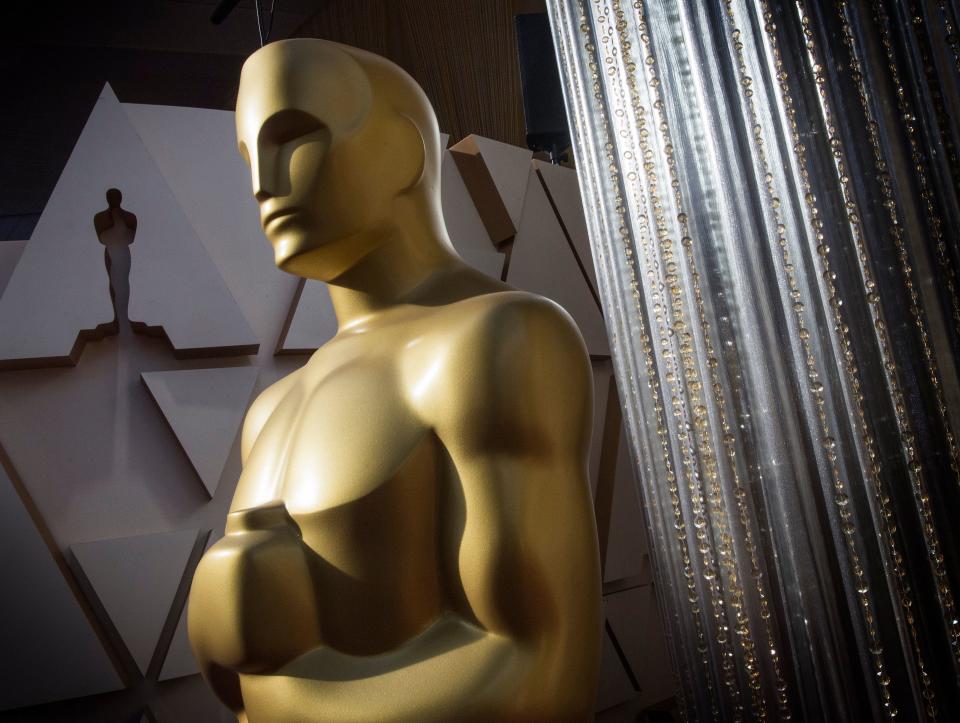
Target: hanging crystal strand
[
  {"x": 928, "y": 37},
  {"x": 782, "y": 351},
  {"x": 949, "y": 20},
  {"x": 868, "y": 453},
  {"x": 797, "y": 228},
  {"x": 711, "y": 523},
  {"x": 935, "y": 251},
  {"x": 642, "y": 202},
  {"x": 750, "y": 606},
  {"x": 634, "y": 362},
  {"x": 940, "y": 495}
]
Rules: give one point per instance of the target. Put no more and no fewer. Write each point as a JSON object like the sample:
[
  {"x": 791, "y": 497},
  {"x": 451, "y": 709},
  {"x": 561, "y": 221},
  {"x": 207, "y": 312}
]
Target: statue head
[
  {"x": 114, "y": 198},
  {"x": 341, "y": 144}
]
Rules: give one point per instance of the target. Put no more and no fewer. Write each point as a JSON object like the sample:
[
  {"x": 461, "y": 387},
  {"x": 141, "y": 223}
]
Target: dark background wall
[{"x": 463, "y": 53}]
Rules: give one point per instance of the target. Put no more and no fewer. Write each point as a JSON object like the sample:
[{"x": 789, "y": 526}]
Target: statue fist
[{"x": 253, "y": 605}]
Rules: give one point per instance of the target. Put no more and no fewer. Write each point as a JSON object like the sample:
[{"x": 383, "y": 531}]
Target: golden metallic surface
[{"x": 412, "y": 536}]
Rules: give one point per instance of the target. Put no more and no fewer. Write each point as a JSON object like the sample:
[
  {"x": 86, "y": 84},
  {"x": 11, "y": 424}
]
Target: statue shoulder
[
  {"x": 501, "y": 358},
  {"x": 518, "y": 322}
]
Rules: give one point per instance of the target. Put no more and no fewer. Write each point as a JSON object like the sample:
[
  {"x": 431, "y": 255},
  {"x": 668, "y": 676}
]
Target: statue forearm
[{"x": 452, "y": 671}]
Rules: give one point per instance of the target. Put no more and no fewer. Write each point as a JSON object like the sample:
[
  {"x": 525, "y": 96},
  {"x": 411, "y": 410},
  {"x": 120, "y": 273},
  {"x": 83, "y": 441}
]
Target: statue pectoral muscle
[{"x": 412, "y": 536}]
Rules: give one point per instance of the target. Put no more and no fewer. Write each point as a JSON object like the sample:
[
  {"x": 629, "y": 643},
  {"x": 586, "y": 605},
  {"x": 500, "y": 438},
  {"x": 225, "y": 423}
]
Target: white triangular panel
[
  {"x": 636, "y": 622},
  {"x": 60, "y": 287},
  {"x": 196, "y": 151},
  {"x": 542, "y": 262},
  {"x": 601, "y": 391},
  {"x": 50, "y": 652},
  {"x": 173, "y": 282},
  {"x": 10, "y": 253},
  {"x": 313, "y": 322},
  {"x": 464, "y": 225},
  {"x": 205, "y": 408},
  {"x": 565, "y": 190},
  {"x": 627, "y": 544},
  {"x": 615, "y": 686},
  {"x": 135, "y": 580},
  {"x": 508, "y": 166},
  {"x": 179, "y": 661}
]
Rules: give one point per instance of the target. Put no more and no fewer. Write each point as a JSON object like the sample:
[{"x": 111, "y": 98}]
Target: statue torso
[{"x": 364, "y": 478}]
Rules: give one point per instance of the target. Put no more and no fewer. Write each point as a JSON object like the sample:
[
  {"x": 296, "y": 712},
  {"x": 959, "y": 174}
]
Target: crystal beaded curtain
[{"x": 772, "y": 195}]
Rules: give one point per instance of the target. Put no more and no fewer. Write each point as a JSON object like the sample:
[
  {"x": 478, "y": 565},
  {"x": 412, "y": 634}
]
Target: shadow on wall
[{"x": 116, "y": 229}]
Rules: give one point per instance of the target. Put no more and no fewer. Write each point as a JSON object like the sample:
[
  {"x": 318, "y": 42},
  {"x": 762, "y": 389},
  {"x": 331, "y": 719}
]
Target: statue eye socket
[{"x": 289, "y": 125}]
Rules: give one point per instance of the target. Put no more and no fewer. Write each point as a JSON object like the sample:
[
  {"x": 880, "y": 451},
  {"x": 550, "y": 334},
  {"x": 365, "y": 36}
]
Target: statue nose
[{"x": 262, "y": 172}]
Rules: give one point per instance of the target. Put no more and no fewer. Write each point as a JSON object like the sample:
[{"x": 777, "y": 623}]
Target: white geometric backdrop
[{"x": 118, "y": 471}]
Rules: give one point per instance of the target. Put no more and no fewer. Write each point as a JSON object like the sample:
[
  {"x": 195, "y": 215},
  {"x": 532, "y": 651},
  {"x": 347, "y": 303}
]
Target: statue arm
[
  {"x": 528, "y": 558},
  {"x": 520, "y": 639},
  {"x": 218, "y": 632}
]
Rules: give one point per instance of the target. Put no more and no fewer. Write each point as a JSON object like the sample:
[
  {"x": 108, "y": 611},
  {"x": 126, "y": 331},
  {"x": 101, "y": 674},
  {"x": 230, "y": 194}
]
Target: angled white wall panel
[
  {"x": 179, "y": 661},
  {"x": 136, "y": 579},
  {"x": 312, "y": 322},
  {"x": 627, "y": 544},
  {"x": 50, "y": 652},
  {"x": 564, "y": 189},
  {"x": 10, "y": 253},
  {"x": 543, "y": 263},
  {"x": 602, "y": 373},
  {"x": 60, "y": 288},
  {"x": 615, "y": 685},
  {"x": 464, "y": 225},
  {"x": 636, "y": 622},
  {"x": 205, "y": 409},
  {"x": 174, "y": 284},
  {"x": 196, "y": 151},
  {"x": 508, "y": 167}
]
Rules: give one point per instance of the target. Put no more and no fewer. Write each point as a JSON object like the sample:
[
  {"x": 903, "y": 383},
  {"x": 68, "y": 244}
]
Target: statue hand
[{"x": 253, "y": 606}]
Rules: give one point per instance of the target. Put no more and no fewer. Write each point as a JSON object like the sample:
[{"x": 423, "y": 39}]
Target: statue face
[
  {"x": 289, "y": 160},
  {"x": 326, "y": 158}
]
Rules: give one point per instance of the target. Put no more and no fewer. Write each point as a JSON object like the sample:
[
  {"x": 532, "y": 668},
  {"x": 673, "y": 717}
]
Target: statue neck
[{"x": 397, "y": 272}]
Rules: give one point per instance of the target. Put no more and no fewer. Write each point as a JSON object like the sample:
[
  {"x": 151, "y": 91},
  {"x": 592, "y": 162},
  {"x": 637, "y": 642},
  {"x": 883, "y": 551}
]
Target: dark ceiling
[{"x": 463, "y": 53}]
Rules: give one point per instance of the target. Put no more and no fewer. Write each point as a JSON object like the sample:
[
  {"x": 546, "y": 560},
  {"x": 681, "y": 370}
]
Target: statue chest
[
  {"x": 358, "y": 472},
  {"x": 335, "y": 437}
]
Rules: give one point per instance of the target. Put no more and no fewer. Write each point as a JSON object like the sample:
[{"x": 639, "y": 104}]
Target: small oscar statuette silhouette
[{"x": 116, "y": 229}]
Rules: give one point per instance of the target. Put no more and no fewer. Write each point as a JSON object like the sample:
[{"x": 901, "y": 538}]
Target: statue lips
[{"x": 279, "y": 213}]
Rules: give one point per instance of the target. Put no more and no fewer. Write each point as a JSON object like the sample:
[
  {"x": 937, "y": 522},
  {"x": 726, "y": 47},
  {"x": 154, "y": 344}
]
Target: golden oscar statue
[{"x": 412, "y": 537}]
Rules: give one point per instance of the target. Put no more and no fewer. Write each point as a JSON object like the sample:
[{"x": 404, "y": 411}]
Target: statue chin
[
  {"x": 288, "y": 245},
  {"x": 323, "y": 261},
  {"x": 296, "y": 256}
]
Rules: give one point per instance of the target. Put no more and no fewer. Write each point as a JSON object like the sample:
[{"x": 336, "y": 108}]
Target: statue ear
[{"x": 411, "y": 154}]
